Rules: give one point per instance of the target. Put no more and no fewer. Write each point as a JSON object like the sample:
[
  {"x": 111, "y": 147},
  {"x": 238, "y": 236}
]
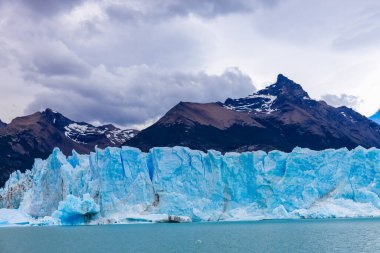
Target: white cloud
[{"x": 342, "y": 100}]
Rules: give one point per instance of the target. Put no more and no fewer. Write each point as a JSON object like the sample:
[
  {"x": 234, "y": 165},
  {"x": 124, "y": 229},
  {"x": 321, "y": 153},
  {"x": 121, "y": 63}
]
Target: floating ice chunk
[
  {"x": 74, "y": 210},
  {"x": 339, "y": 208},
  {"x": 45, "y": 221},
  {"x": 14, "y": 217}
]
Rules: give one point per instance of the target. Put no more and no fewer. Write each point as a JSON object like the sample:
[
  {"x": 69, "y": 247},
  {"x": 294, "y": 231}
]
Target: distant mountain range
[
  {"x": 281, "y": 116},
  {"x": 35, "y": 136},
  {"x": 376, "y": 117}
]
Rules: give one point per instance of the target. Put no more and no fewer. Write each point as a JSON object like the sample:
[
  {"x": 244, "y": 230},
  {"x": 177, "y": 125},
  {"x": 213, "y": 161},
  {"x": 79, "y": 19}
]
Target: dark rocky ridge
[
  {"x": 2, "y": 124},
  {"x": 281, "y": 116},
  {"x": 36, "y": 135}
]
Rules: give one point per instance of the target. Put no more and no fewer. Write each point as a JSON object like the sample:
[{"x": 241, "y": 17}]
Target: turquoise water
[{"x": 348, "y": 235}]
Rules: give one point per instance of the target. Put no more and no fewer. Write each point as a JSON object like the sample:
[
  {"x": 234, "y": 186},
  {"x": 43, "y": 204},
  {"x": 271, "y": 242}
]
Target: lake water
[{"x": 346, "y": 235}]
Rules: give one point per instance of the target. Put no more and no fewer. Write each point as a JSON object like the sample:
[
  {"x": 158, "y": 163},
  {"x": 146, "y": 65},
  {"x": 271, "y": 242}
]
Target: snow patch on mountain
[
  {"x": 348, "y": 117},
  {"x": 74, "y": 131},
  {"x": 118, "y": 136},
  {"x": 260, "y": 103},
  {"x": 78, "y": 131}
]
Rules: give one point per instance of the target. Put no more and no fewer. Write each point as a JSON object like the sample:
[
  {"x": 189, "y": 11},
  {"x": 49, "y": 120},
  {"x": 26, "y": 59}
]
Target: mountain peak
[
  {"x": 266, "y": 101},
  {"x": 56, "y": 118},
  {"x": 50, "y": 112},
  {"x": 285, "y": 87},
  {"x": 282, "y": 78},
  {"x": 281, "y": 116}
]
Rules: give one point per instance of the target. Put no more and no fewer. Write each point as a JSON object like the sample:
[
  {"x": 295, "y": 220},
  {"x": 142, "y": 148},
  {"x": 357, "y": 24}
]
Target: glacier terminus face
[{"x": 121, "y": 185}]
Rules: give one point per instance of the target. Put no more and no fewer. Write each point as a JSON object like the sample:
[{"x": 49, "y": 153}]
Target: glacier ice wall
[{"x": 122, "y": 183}]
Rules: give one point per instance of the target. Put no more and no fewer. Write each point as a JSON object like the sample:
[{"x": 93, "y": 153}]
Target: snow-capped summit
[
  {"x": 85, "y": 133},
  {"x": 285, "y": 87},
  {"x": 267, "y": 100},
  {"x": 281, "y": 116}
]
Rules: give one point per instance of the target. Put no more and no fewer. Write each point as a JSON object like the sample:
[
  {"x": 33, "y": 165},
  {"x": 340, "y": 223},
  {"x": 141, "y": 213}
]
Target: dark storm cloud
[
  {"x": 161, "y": 45},
  {"x": 209, "y": 8},
  {"x": 55, "y": 59},
  {"x": 342, "y": 100},
  {"x": 49, "y": 7},
  {"x": 161, "y": 10},
  {"x": 137, "y": 94},
  {"x": 54, "y": 67}
]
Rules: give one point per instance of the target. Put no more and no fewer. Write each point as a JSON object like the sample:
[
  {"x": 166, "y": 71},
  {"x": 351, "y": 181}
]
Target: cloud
[
  {"x": 136, "y": 94},
  {"x": 53, "y": 58},
  {"x": 363, "y": 32},
  {"x": 342, "y": 100},
  {"x": 48, "y": 8},
  {"x": 91, "y": 52},
  {"x": 164, "y": 45},
  {"x": 124, "y": 73},
  {"x": 151, "y": 10}
]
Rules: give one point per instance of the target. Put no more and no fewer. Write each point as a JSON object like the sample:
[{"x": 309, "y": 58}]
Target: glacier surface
[{"x": 121, "y": 185}]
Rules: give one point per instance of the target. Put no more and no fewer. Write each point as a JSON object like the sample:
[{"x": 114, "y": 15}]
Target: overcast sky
[{"x": 128, "y": 61}]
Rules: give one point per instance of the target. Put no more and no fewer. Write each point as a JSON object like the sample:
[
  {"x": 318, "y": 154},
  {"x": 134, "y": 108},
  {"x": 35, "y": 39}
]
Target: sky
[{"x": 127, "y": 62}]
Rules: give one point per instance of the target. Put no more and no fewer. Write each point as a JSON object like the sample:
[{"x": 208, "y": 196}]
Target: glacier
[{"x": 122, "y": 185}]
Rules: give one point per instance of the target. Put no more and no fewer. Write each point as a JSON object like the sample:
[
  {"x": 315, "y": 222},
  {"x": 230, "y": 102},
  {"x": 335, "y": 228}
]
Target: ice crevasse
[{"x": 118, "y": 185}]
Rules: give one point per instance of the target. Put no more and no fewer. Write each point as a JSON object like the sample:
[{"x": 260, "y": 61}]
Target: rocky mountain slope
[
  {"x": 281, "y": 116},
  {"x": 36, "y": 135}
]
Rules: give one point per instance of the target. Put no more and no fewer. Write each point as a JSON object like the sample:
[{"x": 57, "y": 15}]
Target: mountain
[
  {"x": 2, "y": 124},
  {"x": 281, "y": 116},
  {"x": 376, "y": 117},
  {"x": 36, "y": 135}
]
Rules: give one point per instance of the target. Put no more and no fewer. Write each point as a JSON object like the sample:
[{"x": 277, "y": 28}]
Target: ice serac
[
  {"x": 74, "y": 210},
  {"x": 125, "y": 184}
]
